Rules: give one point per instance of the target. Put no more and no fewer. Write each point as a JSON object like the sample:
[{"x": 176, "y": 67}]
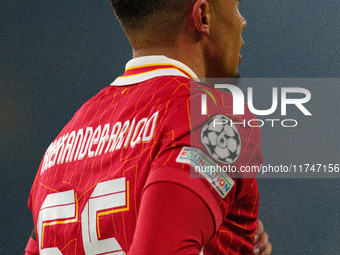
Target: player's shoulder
[
  {"x": 171, "y": 93},
  {"x": 172, "y": 86}
]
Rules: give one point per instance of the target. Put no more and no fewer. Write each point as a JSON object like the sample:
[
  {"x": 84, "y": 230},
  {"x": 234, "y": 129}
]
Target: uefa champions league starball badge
[{"x": 221, "y": 139}]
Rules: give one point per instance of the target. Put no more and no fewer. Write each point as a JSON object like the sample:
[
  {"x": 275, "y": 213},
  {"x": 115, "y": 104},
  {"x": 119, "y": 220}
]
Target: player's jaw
[
  {"x": 240, "y": 56},
  {"x": 225, "y": 41},
  {"x": 240, "y": 59},
  {"x": 243, "y": 25},
  {"x": 235, "y": 43}
]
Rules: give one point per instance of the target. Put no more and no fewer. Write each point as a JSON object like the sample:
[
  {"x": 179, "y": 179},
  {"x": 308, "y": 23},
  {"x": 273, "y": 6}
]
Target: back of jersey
[{"x": 87, "y": 191}]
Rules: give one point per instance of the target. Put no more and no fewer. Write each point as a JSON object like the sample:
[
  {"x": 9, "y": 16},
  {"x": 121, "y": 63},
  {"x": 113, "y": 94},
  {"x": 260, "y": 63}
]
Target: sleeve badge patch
[
  {"x": 221, "y": 139},
  {"x": 205, "y": 166}
]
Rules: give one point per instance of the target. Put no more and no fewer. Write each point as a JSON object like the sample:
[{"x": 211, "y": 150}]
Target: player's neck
[{"x": 182, "y": 45}]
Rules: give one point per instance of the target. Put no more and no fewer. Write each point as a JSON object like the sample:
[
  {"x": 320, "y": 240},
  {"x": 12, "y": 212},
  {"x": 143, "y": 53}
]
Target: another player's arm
[{"x": 32, "y": 247}]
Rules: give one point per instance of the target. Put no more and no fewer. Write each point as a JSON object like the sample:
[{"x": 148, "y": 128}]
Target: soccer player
[{"x": 116, "y": 180}]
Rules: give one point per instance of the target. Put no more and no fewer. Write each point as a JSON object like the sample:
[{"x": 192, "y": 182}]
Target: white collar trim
[{"x": 153, "y": 60}]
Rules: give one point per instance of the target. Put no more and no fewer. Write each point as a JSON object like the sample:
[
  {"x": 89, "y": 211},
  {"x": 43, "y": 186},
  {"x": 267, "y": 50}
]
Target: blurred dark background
[{"x": 54, "y": 55}]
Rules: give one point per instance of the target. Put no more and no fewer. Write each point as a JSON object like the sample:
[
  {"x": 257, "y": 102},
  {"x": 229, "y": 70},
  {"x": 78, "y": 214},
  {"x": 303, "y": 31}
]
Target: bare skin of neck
[{"x": 182, "y": 47}]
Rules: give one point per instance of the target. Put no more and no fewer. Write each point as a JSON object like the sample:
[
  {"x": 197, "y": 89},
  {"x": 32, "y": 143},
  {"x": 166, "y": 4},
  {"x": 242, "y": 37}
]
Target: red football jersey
[{"x": 87, "y": 192}]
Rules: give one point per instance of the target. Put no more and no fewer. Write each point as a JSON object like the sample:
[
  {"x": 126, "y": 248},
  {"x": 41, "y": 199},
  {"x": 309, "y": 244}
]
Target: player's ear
[{"x": 201, "y": 16}]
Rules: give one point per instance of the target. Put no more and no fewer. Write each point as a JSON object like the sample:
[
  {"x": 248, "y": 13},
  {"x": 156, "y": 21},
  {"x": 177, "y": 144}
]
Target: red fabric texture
[
  {"x": 32, "y": 247},
  {"x": 162, "y": 230}
]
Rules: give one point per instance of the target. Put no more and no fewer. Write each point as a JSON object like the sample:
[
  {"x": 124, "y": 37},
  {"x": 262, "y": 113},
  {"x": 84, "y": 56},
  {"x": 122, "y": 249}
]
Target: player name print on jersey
[{"x": 92, "y": 142}]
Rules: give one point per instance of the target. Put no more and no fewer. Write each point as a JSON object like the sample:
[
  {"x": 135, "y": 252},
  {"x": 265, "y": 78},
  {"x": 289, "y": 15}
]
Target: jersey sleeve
[
  {"x": 186, "y": 148},
  {"x": 172, "y": 220},
  {"x": 32, "y": 247}
]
